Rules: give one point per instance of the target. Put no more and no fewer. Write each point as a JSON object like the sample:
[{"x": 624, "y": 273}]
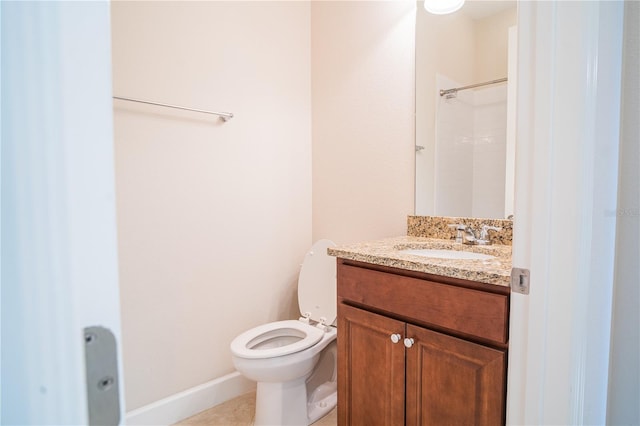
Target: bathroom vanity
[{"x": 418, "y": 341}]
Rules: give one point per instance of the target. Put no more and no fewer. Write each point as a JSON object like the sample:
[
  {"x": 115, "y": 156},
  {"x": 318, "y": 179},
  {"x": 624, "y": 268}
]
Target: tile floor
[{"x": 239, "y": 412}]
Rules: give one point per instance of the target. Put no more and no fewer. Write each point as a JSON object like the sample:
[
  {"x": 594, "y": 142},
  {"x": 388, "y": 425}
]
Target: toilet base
[
  {"x": 286, "y": 404},
  {"x": 323, "y": 400},
  {"x": 281, "y": 403}
]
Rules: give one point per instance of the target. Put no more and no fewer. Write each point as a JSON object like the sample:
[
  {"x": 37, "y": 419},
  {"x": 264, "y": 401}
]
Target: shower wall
[
  {"x": 489, "y": 151},
  {"x": 470, "y": 151}
]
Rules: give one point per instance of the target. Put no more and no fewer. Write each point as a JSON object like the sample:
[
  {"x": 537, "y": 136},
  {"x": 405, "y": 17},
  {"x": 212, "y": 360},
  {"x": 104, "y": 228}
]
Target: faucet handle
[
  {"x": 484, "y": 233},
  {"x": 459, "y": 230}
]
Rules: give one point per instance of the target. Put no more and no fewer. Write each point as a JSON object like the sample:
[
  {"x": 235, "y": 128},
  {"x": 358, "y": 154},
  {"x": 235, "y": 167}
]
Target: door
[
  {"x": 452, "y": 381},
  {"x": 59, "y": 260},
  {"x": 370, "y": 369},
  {"x": 569, "y": 65}
]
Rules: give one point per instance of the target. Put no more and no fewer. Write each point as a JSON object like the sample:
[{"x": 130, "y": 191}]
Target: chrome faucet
[{"x": 470, "y": 237}]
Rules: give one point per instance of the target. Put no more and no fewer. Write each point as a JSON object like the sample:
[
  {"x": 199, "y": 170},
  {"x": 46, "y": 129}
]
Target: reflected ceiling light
[{"x": 442, "y": 7}]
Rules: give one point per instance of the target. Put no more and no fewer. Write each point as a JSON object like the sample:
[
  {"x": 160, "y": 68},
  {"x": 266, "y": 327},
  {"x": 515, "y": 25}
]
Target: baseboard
[{"x": 185, "y": 404}]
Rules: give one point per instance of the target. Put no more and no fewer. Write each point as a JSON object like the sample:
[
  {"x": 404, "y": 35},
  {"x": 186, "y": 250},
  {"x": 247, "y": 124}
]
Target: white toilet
[{"x": 294, "y": 361}]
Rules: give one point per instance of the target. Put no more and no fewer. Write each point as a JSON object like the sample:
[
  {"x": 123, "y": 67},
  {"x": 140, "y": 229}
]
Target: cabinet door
[
  {"x": 370, "y": 369},
  {"x": 452, "y": 381}
]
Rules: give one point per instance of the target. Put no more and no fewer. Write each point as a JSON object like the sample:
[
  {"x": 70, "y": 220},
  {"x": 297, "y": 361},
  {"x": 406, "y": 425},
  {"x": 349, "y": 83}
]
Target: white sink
[{"x": 448, "y": 254}]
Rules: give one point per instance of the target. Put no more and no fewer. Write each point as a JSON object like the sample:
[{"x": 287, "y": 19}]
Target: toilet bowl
[{"x": 294, "y": 361}]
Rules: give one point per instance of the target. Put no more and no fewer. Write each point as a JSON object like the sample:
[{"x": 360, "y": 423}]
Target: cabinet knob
[
  {"x": 408, "y": 342},
  {"x": 395, "y": 338}
]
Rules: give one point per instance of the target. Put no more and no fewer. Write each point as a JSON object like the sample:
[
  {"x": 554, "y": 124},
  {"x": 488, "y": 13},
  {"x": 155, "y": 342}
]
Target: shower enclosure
[{"x": 470, "y": 149}]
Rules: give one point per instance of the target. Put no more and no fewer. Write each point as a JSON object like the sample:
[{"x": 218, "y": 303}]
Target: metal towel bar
[{"x": 225, "y": 116}]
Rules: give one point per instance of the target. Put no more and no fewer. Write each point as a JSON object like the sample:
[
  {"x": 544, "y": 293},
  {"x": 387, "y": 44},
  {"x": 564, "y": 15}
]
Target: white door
[
  {"x": 569, "y": 73},
  {"x": 59, "y": 260}
]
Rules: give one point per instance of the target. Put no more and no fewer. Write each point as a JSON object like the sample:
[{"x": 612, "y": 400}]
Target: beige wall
[
  {"x": 363, "y": 126},
  {"x": 492, "y": 45},
  {"x": 213, "y": 219}
]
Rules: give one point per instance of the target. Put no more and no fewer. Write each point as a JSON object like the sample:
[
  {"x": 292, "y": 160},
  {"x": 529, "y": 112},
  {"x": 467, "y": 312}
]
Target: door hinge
[
  {"x": 520, "y": 278},
  {"x": 101, "y": 360}
]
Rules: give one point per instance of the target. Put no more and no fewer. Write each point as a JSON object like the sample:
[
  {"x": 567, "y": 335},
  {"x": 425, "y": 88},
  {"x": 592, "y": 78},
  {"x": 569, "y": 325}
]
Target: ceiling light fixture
[{"x": 442, "y": 7}]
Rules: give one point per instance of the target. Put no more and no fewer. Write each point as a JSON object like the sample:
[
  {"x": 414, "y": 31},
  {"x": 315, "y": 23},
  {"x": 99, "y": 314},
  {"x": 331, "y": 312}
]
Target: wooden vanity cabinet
[{"x": 451, "y": 372}]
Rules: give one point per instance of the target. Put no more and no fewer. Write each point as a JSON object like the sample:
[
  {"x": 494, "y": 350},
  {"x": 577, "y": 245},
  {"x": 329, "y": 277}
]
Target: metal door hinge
[
  {"x": 520, "y": 280},
  {"x": 103, "y": 395}
]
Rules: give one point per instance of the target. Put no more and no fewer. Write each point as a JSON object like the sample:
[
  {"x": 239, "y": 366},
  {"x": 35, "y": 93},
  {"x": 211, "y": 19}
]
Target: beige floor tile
[
  {"x": 239, "y": 412},
  {"x": 330, "y": 419},
  {"x": 236, "y": 412}
]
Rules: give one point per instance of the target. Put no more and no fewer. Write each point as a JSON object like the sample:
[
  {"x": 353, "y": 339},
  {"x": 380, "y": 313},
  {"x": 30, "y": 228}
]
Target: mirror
[{"x": 465, "y": 139}]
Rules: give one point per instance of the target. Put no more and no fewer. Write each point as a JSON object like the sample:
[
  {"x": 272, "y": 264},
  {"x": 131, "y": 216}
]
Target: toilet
[{"x": 294, "y": 361}]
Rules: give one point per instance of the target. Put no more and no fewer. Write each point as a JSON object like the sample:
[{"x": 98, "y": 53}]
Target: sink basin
[{"x": 448, "y": 254}]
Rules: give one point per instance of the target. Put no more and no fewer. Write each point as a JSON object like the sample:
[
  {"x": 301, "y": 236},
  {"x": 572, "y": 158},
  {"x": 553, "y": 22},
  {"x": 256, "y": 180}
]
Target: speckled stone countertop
[
  {"x": 440, "y": 227},
  {"x": 388, "y": 252}
]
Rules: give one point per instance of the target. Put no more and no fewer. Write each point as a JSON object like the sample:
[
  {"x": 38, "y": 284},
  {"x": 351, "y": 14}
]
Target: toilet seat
[
  {"x": 317, "y": 300},
  {"x": 276, "y": 339}
]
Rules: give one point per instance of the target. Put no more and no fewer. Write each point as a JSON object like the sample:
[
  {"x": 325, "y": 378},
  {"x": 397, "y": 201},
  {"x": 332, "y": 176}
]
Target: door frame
[
  {"x": 59, "y": 255},
  {"x": 568, "y": 115}
]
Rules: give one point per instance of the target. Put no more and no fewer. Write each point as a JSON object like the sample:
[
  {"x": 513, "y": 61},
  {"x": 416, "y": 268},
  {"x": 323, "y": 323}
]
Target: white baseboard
[{"x": 174, "y": 408}]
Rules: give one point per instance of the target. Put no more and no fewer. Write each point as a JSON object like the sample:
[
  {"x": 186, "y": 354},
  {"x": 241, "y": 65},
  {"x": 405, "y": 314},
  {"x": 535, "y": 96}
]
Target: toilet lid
[{"x": 317, "y": 283}]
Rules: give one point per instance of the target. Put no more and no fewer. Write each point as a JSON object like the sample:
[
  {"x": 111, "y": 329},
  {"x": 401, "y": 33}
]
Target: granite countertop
[{"x": 387, "y": 252}]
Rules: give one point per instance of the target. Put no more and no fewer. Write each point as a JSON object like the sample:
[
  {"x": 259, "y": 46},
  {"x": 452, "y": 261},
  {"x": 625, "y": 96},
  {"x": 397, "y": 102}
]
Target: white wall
[
  {"x": 453, "y": 170},
  {"x": 363, "y": 127},
  {"x": 489, "y": 151},
  {"x": 213, "y": 219},
  {"x": 624, "y": 379}
]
